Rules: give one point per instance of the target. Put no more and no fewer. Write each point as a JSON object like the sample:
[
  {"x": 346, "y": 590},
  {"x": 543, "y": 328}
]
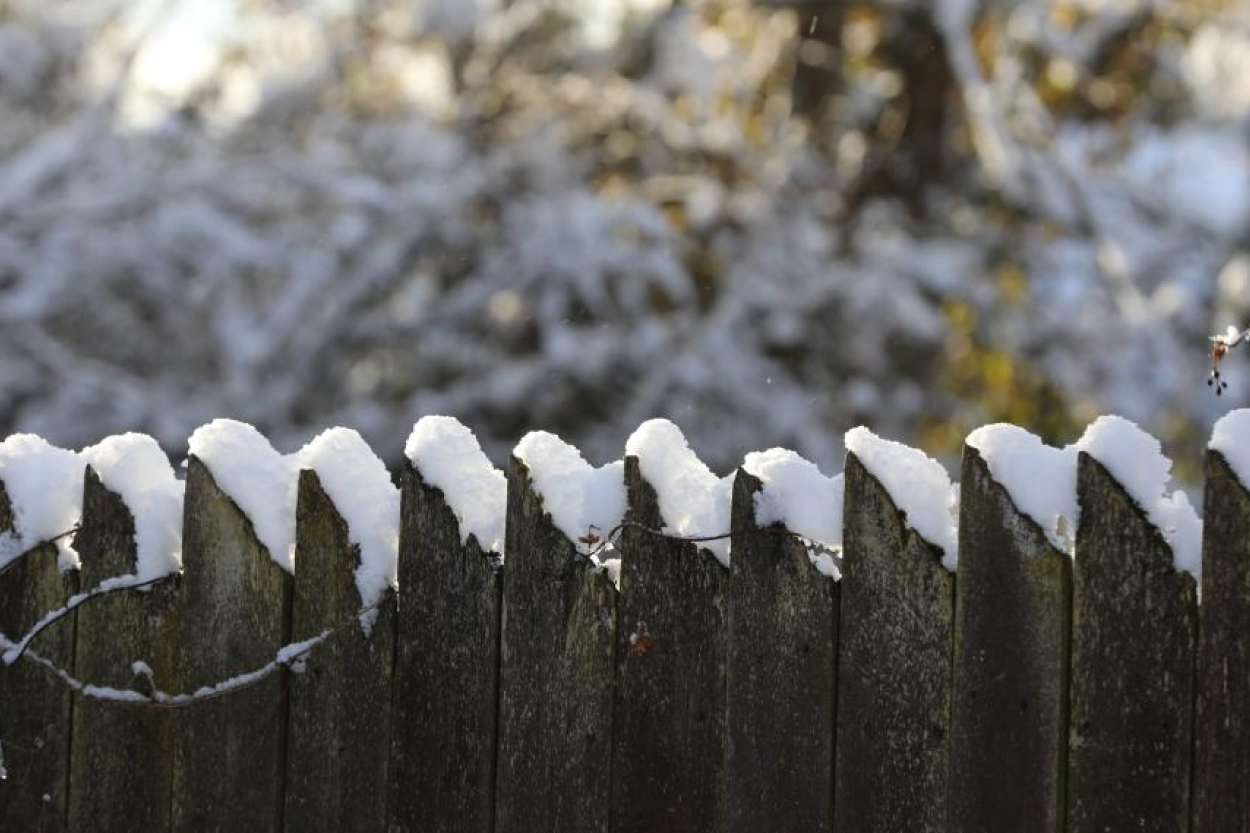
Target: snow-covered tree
[{"x": 765, "y": 222}]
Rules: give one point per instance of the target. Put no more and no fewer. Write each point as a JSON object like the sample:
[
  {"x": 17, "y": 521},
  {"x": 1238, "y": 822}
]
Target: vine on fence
[{"x": 289, "y": 656}]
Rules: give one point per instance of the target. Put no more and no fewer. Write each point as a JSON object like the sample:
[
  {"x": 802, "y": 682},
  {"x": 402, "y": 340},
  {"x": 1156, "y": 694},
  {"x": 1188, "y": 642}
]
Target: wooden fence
[{"x": 1030, "y": 692}]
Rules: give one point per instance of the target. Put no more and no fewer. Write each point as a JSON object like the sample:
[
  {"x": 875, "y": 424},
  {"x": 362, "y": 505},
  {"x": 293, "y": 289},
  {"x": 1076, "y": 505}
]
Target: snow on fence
[{"x": 478, "y": 651}]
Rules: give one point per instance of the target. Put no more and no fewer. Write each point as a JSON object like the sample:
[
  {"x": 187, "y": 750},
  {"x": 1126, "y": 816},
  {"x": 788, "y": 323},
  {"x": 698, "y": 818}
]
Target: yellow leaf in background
[{"x": 1013, "y": 284}]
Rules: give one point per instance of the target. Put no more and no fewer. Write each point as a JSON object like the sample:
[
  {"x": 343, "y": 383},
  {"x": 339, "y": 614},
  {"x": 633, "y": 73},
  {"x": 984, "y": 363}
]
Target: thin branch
[
  {"x": 286, "y": 657},
  {"x": 9, "y": 565},
  {"x": 112, "y": 585}
]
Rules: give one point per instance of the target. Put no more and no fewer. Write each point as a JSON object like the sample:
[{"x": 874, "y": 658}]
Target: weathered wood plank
[
  {"x": 670, "y": 730},
  {"x": 1222, "y": 765},
  {"x": 781, "y": 680},
  {"x": 1132, "y": 687},
  {"x": 894, "y": 669},
  {"x": 233, "y": 616},
  {"x": 557, "y": 676},
  {"x": 442, "y": 770},
  {"x": 339, "y": 738},
  {"x": 121, "y": 756},
  {"x": 35, "y": 708},
  {"x": 1012, "y": 628}
]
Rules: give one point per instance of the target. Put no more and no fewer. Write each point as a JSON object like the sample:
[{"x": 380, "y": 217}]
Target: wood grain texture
[
  {"x": 35, "y": 709},
  {"x": 1132, "y": 695},
  {"x": 339, "y": 737},
  {"x": 1222, "y": 765},
  {"x": 557, "y": 676},
  {"x": 670, "y": 743},
  {"x": 1012, "y": 629},
  {"x": 233, "y": 617},
  {"x": 781, "y": 680},
  {"x": 442, "y": 771},
  {"x": 121, "y": 756},
  {"x": 894, "y": 669}
]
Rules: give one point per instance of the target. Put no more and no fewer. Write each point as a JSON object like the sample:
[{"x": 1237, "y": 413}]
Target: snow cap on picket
[
  {"x": 694, "y": 502},
  {"x": 797, "y": 495},
  {"x": 1135, "y": 459},
  {"x": 134, "y": 467},
  {"x": 262, "y": 482},
  {"x": 450, "y": 459},
  {"x": 357, "y": 482},
  {"x": 44, "y": 485},
  {"x": 918, "y": 485},
  {"x": 1231, "y": 438},
  {"x": 1040, "y": 479}
]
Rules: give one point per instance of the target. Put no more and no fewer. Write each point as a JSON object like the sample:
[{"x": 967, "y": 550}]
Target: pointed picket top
[
  {"x": 585, "y": 503},
  {"x": 357, "y": 482},
  {"x": 692, "y": 501},
  {"x": 917, "y": 484},
  {"x": 1135, "y": 459},
  {"x": 44, "y": 488},
  {"x": 133, "y": 467},
  {"x": 793, "y": 492},
  {"x": 450, "y": 459},
  {"x": 260, "y": 481},
  {"x": 1040, "y": 479}
]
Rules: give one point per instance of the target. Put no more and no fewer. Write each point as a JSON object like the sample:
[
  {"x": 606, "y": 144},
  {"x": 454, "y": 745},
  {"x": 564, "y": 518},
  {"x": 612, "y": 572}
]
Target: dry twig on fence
[
  {"x": 287, "y": 656},
  {"x": 104, "y": 588},
  {"x": 612, "y": 539}
]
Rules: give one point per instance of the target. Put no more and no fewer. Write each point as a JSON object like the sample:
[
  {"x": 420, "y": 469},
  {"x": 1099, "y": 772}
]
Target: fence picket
[
  {"x": 894, "y": 668},
  {"x": 1012, "y": 626},
  {"x": 1133, "y": 639},
  {"x": 557, "y": 676},
  {"x": 783, "y": 617},
  {"x": 442, "y": 770},
  {"x": 34, "y": 710},
  {"x": 669, "y": 748},
  {"x": 233, "y": 616},
  {"x": 1222, "y": 760},
  {"x": 120, "y": 756},
  {"x": 1034, "y": 692},
  {"x": 339, "y": 736}
]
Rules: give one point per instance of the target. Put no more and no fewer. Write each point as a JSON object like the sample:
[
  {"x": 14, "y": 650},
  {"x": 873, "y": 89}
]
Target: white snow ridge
[
  {"x": 576, "y": 494},
  {"x": 44, "y": 485},
  {"x": 134, "y": 467},
  {"x": 694, "y": 502},
  {"x": 799, "y": 497},
  {"x": 1135, "y": 459},
  {"x": 1041, "y": 479},
  {"x": 918, "y": 485},
  {"x": 357, "y": 481},
  {"x": 450, "y": 459},
  {"x": 1231, "y": 438},
  {"x": 262, "y": 482}
]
